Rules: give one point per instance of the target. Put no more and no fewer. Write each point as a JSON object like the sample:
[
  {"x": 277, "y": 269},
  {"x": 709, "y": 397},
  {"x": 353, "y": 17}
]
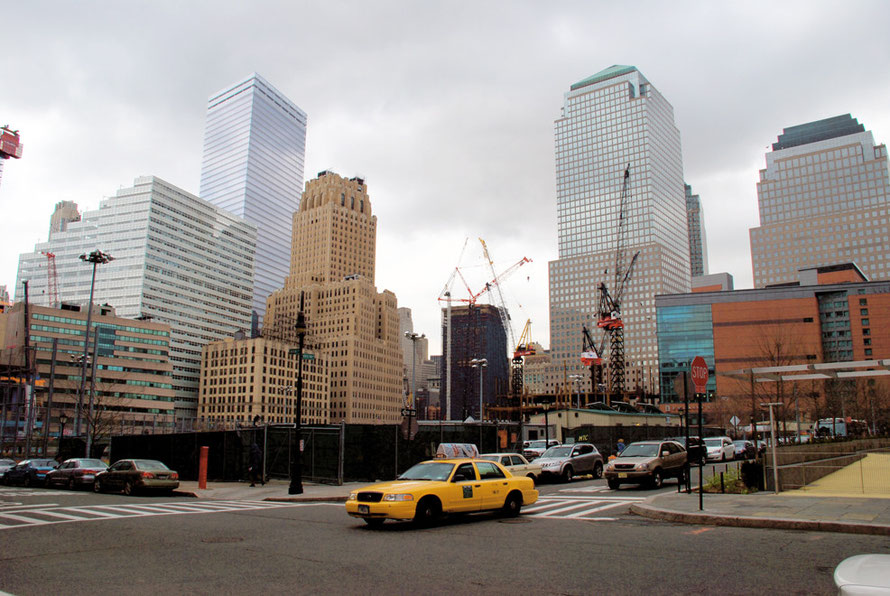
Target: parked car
[
  {"x": 29, "y": 472},
  {"x": 567, "y": 461},
  {"x": 5, "y": 464},
  {"x": 515, "y": 464},
  {"x": 744, "y": 449},
  {"x": 695, "y": 449},
  {"x": 438, "y": 487},
  {"x": 719, "y": 448},
  {"x": 76, "y": 472},
  {"x": 535, "y": 449},
  {"x": 133, "y": 475},
  {"x": 647, "y": 462}
]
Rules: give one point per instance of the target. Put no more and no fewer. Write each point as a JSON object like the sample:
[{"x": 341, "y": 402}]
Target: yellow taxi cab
[{"x": 431, "y": 489}]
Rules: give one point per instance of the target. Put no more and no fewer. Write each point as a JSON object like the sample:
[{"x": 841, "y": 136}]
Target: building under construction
[{"x": 476, "y": 333}]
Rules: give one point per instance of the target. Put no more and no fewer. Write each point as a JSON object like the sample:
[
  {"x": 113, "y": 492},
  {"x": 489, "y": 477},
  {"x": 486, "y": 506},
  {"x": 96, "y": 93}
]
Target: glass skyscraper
[
  {"x": 177, "y": 260},
  {"x": 254, "y": 145},
  {"x": 698, "y": 242},
  {"x": 824, "y": 199},
  {"x": 610, "y": 121}
]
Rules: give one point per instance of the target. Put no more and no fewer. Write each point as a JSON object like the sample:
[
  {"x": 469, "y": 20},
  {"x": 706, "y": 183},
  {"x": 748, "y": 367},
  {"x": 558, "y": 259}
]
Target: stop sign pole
[{"x": 699, "y": 372}]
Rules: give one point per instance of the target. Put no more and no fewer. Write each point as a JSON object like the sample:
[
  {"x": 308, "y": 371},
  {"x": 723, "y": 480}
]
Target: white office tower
[
  {"x": 824, "y": 199},
  {"x": 613, "y": 121},
  {"x": 177, "y": 260},
  {"x": 254, "y": 144}
]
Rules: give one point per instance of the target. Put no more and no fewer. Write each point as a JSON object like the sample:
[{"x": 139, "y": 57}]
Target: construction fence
[{"x": 330, "y": 454}]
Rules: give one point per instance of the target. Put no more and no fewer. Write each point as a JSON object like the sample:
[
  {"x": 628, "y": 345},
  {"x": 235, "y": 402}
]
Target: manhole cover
[
  {"x": 515, "y": 521},
  {"x": 221, "y": 540}
]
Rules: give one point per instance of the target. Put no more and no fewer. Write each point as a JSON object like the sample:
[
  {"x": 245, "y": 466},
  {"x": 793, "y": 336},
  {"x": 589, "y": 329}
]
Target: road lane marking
[{"x": 82, "y": 513}]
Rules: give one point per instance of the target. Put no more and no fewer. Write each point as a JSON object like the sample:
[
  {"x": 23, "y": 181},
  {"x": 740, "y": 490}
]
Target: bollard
[
  {"x": 202, "y": 467},
  {"x": 722, "y": 487}
]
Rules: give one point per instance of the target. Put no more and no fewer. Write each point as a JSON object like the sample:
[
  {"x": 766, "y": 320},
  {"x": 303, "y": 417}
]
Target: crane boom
[{"x": 610, "y": 304}]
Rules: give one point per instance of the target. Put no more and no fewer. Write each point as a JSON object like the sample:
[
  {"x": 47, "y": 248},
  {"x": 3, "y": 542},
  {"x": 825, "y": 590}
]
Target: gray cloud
[{"x": 446, "y": 108}]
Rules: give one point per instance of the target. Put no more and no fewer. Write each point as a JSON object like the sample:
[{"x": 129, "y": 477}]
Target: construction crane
[
  {"x": 10, "y": 146},
  {"x": 471, "y": 298},
  {"x": 591, "y": 356},
  {"x": 610, "y": 303},
  {"x": 523, "y": 348},
  {"x": 52, "y": 278},
  {"x": 516, "y": 363}
]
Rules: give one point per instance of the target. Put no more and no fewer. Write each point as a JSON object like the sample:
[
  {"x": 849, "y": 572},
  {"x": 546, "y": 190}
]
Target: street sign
[
  {"x": 409, "y": 412},
  {"x": 734, "y": 420},
  {"x": 699, "y": 370},
  {"x": 308, "y": 356}
]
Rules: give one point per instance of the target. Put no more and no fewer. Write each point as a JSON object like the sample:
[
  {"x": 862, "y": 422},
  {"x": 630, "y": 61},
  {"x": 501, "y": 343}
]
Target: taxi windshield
[{"x": 428, "y": 471}]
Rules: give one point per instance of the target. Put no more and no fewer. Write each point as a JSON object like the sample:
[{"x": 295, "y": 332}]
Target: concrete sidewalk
[
  {"x": 274, "y": 490},
  {"x": 768, "y": 510}
]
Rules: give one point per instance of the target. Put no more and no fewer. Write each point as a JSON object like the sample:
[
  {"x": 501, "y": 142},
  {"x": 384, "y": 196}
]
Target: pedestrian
[
  {"x": 620, "y": 446},
  {"x": 255, "y": 465}
]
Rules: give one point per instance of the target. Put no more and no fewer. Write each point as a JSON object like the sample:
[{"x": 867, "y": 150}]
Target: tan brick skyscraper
[{"x": 349, "y": 323}]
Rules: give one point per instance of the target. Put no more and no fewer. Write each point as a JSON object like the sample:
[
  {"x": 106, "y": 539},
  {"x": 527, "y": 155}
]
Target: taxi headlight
[
  {"x": 610, "y": 466},
  {"x": 398, "y": 497},
  {"x": 643, "y": 466},
  {"x": 352, "y": 497}
]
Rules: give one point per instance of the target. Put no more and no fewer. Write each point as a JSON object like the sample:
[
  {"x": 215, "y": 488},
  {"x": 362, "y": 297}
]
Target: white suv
[{"x": 719, "y": 448}]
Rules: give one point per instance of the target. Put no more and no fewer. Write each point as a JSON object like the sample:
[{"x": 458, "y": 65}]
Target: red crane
[
  {"x": 52, "y": 278},
  {"x": 10, "y": 145}
]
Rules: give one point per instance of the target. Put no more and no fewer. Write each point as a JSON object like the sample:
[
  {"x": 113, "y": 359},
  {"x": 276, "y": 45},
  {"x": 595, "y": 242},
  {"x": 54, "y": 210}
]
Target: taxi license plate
[
  {"x": 364, "y": 509},
  {"x": 622, "y": 474}
]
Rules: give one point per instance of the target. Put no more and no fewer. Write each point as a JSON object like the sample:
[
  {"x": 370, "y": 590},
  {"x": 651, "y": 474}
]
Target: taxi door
[
  {"x": 463, "y": 492},
  {"x": 493, "y": 485}
]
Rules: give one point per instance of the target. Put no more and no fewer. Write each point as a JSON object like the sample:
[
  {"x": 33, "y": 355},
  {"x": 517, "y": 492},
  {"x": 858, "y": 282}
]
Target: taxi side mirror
[{"x": 459, "y": 477}]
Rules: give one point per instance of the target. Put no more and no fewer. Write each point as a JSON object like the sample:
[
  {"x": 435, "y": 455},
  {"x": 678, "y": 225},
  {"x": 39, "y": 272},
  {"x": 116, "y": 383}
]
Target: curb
[
  {"x": 184, "y": 493},
  {"x": 738, "y": 521}
]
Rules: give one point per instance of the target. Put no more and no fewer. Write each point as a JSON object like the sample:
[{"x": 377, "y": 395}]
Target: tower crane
[
  {"x": 10, "y": 145},
  {"x": 471, "y": 299},
  {"x": 523, "y": 348},
  {"x": 52, "y": 278},
  {"x": 516, "y": 362},
  {"x": 610, "y": 319}
]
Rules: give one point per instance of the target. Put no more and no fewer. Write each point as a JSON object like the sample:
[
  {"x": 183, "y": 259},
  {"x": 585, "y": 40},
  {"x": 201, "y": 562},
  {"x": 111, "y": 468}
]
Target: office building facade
[
  {"x": 349, "y": 323},
  {"x": 698, "y": 241},
  {"x": 824, "y": 197},
  {"x": 254, "y": 147},
  {"x": 612, "y": 121},
  {"x": 476, "y": 333},
  {"x": 832, "y": 314},
  {"x": 131, "y": 383},
  {"x": 177, "y": 260},
  {"x": 254, "y": 380}
]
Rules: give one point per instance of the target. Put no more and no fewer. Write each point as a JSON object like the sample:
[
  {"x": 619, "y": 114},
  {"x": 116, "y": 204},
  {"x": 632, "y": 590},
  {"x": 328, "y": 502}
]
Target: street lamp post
[
  {"x": 480, "y": 363},
  {"x": 545, "y": 401},
  {"x": 96, "y": 257},
  {"x": 576, "y": 382},
  {"x": 63, "y": 420},
  {"x": 296, "y": 473}
]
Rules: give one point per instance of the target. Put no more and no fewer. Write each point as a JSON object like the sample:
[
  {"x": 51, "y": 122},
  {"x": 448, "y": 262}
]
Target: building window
[
  {"x": 863, "y": 312},
  {"x": 865, "y": 322},
  {"x": 868, "y": 351}
]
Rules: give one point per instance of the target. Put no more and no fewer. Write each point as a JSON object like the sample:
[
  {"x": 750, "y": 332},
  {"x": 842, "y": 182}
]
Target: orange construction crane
[
  {"x": 10, "y": 145},
  {"x": 52, "y": 278}
]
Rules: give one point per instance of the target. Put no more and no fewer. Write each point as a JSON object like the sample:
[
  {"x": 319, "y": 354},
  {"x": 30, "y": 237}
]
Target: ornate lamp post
[
  {"x": 296, "y": 473},
  {"x": 63, "y": 420}
]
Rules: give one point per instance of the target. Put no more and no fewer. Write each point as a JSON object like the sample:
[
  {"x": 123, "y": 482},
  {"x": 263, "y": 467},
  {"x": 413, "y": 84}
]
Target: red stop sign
[{"x": 699, "y": 371}]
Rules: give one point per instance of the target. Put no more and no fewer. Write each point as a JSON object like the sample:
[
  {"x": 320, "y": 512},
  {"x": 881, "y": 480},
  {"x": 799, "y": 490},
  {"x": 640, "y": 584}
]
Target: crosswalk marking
[
  {"x": 38, "y": 515},
  {"x": 574, "y": 506}
]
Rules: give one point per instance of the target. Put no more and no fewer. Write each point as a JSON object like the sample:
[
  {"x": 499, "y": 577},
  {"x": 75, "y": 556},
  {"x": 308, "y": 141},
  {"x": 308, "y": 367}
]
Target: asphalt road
[{"x": 161, "y": 545}]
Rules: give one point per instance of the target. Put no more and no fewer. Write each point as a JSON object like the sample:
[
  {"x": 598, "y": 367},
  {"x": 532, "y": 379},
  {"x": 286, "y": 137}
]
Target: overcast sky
[{"x": 445, "y": 108}]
